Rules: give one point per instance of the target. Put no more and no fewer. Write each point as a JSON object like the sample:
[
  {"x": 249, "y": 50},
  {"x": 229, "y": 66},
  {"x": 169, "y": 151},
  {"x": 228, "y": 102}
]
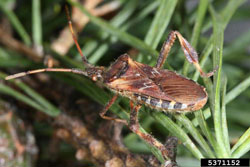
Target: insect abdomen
[{"x": 160, "y": 104}]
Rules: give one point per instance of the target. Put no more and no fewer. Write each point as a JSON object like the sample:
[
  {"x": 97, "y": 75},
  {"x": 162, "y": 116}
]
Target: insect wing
[
  {"x": 179, "y": 88},
  {"x": 174, "y": 86}
]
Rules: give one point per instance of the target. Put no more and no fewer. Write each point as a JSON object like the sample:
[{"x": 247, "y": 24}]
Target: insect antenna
[
  {"x": 84, "y": 59},
  {"x": 21, "y": 74},
  {"x": 76, "y": 71}
]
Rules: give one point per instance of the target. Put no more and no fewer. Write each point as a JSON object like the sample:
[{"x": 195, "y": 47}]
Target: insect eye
[
  {"x": 94, "y": 78},
  {"x": 97, "y": 77}
]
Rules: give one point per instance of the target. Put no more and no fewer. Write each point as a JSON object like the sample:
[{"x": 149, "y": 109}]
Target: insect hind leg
[
  {"x": 192, "y": 55},
  {"x": 165, "y": 49},
  {"x": 189, "y": 52},
  {"x": 135, "y": 127}
]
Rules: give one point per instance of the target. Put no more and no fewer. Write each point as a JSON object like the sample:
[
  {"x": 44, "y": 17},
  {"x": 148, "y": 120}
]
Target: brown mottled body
[{"x": 157, "y": 88}]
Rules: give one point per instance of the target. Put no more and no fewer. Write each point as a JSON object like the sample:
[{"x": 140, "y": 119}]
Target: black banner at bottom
[{"x": 243, "y": 162}]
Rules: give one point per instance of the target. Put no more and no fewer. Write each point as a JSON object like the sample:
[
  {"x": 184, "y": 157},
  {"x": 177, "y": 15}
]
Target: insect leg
[
  {"x": 165, "y": 49},
  {"x": 188, "y": 50},
  {"x": 192, "y": 55},
  {"x": 135, "y": 127},
  {"x": 106, "y": 108}
]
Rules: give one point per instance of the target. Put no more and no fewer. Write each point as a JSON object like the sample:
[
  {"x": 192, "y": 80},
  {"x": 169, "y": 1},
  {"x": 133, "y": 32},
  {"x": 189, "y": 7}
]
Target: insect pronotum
[{"x": 155, "y": 87}]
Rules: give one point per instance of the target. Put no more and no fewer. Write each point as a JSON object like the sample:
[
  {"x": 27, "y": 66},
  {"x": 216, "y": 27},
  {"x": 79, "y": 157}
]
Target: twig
[
  {"x": 100, "y": 150},
  {"x": 18, "y": 46}
]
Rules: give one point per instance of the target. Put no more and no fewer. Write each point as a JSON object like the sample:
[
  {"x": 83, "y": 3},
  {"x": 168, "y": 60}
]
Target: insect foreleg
[{"x": 106, "y": 108}]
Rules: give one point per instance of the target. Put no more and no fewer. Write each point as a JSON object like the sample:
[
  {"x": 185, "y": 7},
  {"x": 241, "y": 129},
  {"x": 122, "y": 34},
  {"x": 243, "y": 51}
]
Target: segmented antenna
[
  {"x": 21, "y": 74},
  {"x": 84, "y": 59},
  {"x": 76, "y": 71}
]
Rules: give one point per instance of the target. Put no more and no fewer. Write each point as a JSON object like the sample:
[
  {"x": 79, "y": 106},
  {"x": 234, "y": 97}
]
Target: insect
[{"x": 154, "y": 87}]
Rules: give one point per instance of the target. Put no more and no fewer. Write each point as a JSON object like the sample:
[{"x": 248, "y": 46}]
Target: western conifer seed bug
[{"x": 155, "y": 87}]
